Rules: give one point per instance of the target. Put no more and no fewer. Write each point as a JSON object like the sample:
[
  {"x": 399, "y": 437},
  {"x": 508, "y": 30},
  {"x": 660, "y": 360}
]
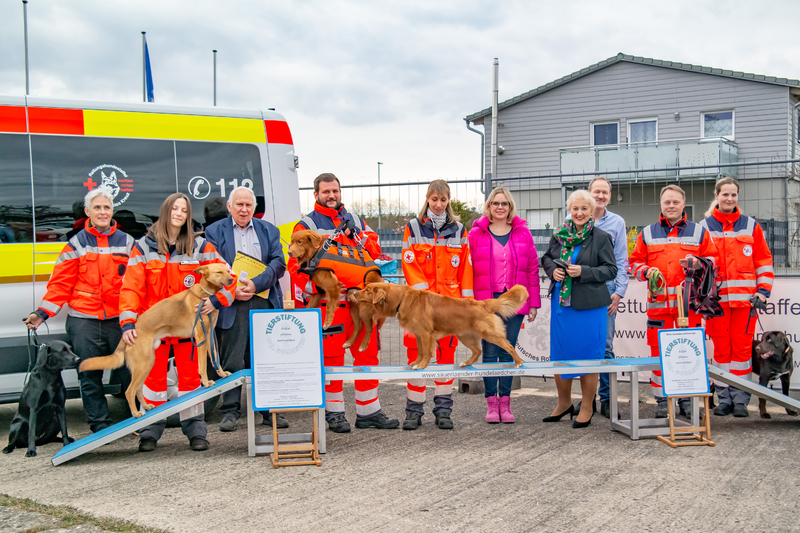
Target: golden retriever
[
  {"x": 431, "y": 316},
  {"x": 171, "y": 317},
  {"x": 303, "y": 246}
]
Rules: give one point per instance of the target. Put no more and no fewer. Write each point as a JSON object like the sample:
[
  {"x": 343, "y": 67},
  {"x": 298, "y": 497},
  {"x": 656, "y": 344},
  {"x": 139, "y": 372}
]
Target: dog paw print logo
[{"x": 121, "y": 186}]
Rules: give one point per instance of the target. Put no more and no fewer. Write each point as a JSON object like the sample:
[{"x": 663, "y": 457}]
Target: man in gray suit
[{"x": 257, "y": 238}]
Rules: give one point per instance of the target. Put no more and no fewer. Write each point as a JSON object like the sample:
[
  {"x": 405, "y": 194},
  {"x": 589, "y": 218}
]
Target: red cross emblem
[{"x": 89, "y": 183}]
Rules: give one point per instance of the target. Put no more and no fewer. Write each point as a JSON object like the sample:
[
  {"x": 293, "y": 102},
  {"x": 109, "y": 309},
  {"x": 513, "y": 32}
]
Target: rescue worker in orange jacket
[
  {"x": 664, "y": 247},
  {"x": 162, "y": 264},
  {"x": 88, "y": 276},
  {"x": 328, "y": 214},
  {"x": 745, "y": 270},
  {"x": 436, "y": 258}
]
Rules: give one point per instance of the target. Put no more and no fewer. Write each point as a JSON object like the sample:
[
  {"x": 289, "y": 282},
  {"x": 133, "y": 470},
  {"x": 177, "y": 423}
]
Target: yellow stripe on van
[
  {"x": 18, "y": 259},
  {"x": 180, "y": 127}
]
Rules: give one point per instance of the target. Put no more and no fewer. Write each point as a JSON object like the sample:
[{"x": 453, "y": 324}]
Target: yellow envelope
[{"x": 248, "y": 268}]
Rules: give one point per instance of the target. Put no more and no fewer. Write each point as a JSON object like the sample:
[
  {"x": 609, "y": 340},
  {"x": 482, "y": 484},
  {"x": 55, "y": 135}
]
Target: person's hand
[
  {"x": 559, "y": 274},
  {"x": 129, "y": 337},
  {"x": 574, "y": 271},
  {"x": 532, "y": 314},
  {"x": 208, "y": 307},
  {"x": 246, "y": 292},
  {"x": 33, "y": 321},
  {"x": 652, "y": 272},
  {"x": 685, "y": 261},
  {"x": 760, "y": 297},
  {"x": 612, "y": 309}
]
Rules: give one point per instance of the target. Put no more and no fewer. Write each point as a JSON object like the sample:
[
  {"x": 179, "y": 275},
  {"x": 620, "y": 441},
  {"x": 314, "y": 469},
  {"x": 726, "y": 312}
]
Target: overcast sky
[{"x": 362, "y": 82}]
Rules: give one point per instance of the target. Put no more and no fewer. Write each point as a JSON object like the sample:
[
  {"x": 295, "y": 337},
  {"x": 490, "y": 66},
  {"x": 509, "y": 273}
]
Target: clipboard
[{"x": 248, "y": 268}]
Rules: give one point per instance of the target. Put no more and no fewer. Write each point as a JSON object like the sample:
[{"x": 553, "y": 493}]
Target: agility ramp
[
  {"x": 126, "y": 427},
  {"x": 754, "y": 388}
]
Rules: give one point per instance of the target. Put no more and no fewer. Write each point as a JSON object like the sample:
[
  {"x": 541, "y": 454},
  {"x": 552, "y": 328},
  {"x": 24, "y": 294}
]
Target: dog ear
[
  {"x": 41, "y": 356},
  {"x": 378, "y": 296},
  {"x": 201, "y": 270}
]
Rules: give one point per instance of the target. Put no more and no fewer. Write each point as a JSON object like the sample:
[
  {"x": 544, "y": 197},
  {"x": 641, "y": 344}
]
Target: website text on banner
[{"x": 782, "y": 314}]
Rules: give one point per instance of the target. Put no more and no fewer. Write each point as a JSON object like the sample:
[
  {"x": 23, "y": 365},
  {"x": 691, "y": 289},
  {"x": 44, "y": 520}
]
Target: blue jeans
[
  {"x": 603, "y": 390},
  {"x": 492, "y": 353}
]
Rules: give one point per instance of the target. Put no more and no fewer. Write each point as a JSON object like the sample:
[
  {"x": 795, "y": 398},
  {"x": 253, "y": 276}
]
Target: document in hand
[{"x": 249, "y": 267}]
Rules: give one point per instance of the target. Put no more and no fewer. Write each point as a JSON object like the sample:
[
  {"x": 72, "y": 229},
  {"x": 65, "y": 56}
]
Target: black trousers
[
  {"x": 89, "y": 338},
  {"x": 234, "y": 346}
]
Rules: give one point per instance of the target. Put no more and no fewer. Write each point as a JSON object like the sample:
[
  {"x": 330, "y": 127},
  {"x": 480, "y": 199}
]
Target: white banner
[{"x": 783, "y": 310}]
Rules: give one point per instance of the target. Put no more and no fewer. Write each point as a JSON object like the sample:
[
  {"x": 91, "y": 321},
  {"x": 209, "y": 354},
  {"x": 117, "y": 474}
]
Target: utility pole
[
  {"x": 215, "y": 77},
  {"x": 25, "y": 23},
  {"x": 379, "y": 194}
]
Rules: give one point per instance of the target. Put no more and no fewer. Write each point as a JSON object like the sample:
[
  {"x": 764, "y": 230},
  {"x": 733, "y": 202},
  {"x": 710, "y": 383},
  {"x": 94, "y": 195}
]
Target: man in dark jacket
[{"x": 241, "y": 232}]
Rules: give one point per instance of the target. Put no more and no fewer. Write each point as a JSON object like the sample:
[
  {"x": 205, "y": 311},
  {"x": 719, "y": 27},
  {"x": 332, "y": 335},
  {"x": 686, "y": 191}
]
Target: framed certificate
[
  {"x": 684, "y": 368},
  {"x": 286, "y": 358}
]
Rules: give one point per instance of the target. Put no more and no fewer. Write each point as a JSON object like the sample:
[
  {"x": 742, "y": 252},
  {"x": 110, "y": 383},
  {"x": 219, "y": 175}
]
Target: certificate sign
[
  {"x": 286, "y": 358},
  {"x": 684, "y": 368}
]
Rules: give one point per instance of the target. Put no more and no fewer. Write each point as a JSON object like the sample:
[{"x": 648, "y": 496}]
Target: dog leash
[
  {"x": 213, "y": 350},
  {"x": 33, "y": 340}
]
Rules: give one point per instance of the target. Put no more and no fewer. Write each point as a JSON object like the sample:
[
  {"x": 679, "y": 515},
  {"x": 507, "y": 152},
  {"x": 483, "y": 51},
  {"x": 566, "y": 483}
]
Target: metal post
[
  {"x": 144, "y": 70},
  {"x": 215, "y": 77},
  {"x": 379, "y": 194},
  {"x": 493, "y": 171},
  {"x": 25, "y": 23}
]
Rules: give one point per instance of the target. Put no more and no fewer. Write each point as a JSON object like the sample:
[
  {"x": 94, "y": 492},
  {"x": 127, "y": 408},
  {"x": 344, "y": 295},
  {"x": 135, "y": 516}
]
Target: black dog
[
  {"x": 41, "y": 415},
  {"x": 772, "y": 359}
]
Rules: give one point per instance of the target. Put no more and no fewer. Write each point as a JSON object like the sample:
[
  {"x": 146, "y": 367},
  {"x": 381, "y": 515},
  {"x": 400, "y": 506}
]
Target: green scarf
[{"x": 569, "y": 237}]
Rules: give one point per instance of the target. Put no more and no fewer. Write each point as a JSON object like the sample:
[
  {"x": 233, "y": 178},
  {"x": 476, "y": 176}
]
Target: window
[
  {"x": 16, "y": 207},
  {"x": 718, "y": 124},
  {"x": 642, "y": 131},
  {"x": 604, "y": 134},
  {"x": 539, "y": 218}
]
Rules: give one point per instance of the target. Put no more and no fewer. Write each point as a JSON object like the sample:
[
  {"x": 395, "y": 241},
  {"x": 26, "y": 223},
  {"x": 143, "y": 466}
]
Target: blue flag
[{"x": 148, "y": 74}]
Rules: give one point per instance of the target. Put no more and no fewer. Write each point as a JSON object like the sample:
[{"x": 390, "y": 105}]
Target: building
[{"x": 643, "y": 123}]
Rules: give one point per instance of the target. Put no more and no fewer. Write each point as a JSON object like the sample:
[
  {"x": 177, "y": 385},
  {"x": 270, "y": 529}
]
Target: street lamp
[{"x": 379, "y": 194}]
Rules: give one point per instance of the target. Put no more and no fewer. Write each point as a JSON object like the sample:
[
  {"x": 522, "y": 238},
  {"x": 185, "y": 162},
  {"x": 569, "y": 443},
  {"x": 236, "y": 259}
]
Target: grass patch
[{"x": 72, "y": 517}]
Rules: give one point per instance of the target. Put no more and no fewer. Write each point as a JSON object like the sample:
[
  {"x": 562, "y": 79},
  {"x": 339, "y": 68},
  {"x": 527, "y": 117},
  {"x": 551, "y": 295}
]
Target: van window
[
  {"x": 140, "y": 173},
  {"x": 16, "y": 207},
  {"x": 208, "y": 172}
]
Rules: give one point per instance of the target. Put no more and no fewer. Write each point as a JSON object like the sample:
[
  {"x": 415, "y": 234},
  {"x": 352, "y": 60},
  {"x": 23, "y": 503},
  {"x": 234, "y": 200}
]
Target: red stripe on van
[
  {"x": 12, "y": 119},
  {"x": 278, "y": 132},
  {"x": 52, "y": 120}
]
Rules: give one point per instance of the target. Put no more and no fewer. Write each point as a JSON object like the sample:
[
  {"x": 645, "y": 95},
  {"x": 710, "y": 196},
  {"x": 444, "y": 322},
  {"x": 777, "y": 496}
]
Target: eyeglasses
[{"x": 500, "y": 204}]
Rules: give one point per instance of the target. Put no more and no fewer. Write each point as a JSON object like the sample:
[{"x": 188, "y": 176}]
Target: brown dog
[
  {"x": 431, "y": 316},
  {"x": 304, "y": 245},
  {"x": 171, "y": 317}
]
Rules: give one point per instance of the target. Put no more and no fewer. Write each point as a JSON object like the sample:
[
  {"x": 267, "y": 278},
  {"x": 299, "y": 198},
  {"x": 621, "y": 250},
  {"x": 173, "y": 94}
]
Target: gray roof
[{"x": 620, "y": 58}]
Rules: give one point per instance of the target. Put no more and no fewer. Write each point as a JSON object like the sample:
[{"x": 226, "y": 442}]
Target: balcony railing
[{"x": 714, "y": 152}]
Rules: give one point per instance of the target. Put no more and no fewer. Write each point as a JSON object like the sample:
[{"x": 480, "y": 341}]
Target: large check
[{"x": 286, "y": 358}]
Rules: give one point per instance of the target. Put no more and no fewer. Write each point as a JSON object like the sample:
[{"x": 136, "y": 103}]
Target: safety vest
[
  {"x": 88, "y": 274},
  {"x": 152, "y": 276},
  {"x": 438, "y": 261},
  {"x": 324, "y": 221},
  {"x": 661, "y": 246},
  {"x": 745, "y": 264}
]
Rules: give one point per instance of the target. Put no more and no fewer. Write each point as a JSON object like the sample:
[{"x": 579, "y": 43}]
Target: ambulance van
[{"x": 52, "y": 152}]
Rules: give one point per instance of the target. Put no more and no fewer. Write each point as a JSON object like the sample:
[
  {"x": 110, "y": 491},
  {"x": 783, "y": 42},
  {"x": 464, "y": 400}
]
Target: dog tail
[
  {"x": 509, "y": 303},
  {"x": 115, "y": 360}
]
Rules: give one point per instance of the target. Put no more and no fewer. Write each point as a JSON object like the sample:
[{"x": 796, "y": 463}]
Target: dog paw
[
  {"x": 68, "y": 440},
  {"x": 462, "y": 365},
  {"x": 138, "y": 414},
  {"x": 518, "y": 365},
  {"x": 766, "y": 415},
  {"x": 209, "y": 383},
  {"x": 792, "y": 413},
  {"x": 346, "y": 345},
  {"x": 148, "y": 406},
  {"x": 7, "y": 450},
  {"x": 31, "y": 453},
  {"x": 224, "y": 374}
]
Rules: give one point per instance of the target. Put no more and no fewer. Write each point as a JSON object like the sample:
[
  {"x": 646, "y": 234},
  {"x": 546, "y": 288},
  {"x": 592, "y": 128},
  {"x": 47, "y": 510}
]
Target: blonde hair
[
  {"x": 581, "y": 194},
  {"x": 512, "y": 206},
  {"x": 672, "y": 188},
  {"x": 441, "y": 188},
  {"x": 717, "y": 188}
]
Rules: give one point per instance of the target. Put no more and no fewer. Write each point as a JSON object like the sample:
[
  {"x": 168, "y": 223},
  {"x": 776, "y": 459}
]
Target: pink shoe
[
  {"x": 506, "y": 416},
  {"x": 492, "y": 416}
]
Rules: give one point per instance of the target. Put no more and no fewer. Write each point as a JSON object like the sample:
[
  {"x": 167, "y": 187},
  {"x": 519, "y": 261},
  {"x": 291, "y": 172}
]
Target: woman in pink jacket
[{"x": 503, "y": 255}]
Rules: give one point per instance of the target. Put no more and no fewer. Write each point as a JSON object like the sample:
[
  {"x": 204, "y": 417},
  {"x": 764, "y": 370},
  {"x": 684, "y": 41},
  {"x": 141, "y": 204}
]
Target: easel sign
[
  {"x": 684, "y": 367},
  {"x": 286, "y": 358}
]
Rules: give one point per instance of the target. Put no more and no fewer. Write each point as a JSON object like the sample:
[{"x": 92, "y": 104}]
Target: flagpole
[
  {"x": 25, "y": 22},
  {"x": 215, "y": 77},
  {"x": 144, "y": 71}
]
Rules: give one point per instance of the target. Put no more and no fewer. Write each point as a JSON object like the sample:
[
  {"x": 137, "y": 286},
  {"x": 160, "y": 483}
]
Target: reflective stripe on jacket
[
  {"x": 88, "y": 274},
  {"x": 324, "y": 221},
  {"x": 152, "y": 276},
  {"x": 437, "y": 261},
  {"x": 745, "y": 264},
  {"x": 662, "y": 246}
]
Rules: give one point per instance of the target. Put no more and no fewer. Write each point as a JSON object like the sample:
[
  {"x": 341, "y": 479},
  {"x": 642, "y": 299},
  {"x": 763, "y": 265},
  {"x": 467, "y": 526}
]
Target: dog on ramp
[
  {"x": 431, "y": 316},
  {"x": 773, "y": 359},
  {"x": 171, "y": 317}
]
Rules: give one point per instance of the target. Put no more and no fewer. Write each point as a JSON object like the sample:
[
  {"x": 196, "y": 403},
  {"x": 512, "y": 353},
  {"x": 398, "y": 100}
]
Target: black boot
[{"x": 412, "y": 421}]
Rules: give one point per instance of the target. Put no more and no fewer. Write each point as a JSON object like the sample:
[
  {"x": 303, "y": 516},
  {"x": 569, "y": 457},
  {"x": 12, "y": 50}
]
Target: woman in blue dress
[{"x": 579, "y": 301}]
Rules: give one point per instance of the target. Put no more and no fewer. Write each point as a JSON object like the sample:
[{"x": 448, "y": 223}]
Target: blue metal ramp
[{"x": 126, "y": 427}]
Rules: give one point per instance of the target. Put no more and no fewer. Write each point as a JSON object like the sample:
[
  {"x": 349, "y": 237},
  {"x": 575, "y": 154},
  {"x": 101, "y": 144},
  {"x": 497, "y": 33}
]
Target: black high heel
[
  {"x": 578, "y": 425},
  {"x": 570, "y": 411}
]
